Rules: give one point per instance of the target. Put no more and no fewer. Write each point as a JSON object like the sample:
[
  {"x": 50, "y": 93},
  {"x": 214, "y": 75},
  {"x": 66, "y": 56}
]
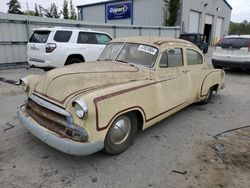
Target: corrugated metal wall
[{"x": 15, "y": 31}]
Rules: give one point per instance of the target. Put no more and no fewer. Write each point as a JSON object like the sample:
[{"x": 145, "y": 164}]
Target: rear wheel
[
  {"x": 217, "y": 67},
  {"x": 47, "y": 69},
  {"x": 205, "y": 50},
  {"x": 72, "y": 61},
  {"x": 208, "y": 96},
  {"x": 121, "y": 134}
]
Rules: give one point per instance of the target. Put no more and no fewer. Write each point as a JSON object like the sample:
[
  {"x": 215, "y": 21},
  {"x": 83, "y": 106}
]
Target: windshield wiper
[
  {"x": 122, "y": 61},
  {"x": 104, "y": 60}
]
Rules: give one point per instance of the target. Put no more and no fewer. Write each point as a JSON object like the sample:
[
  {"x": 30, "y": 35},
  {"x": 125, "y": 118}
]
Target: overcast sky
[{"x": 241, "y": 8}]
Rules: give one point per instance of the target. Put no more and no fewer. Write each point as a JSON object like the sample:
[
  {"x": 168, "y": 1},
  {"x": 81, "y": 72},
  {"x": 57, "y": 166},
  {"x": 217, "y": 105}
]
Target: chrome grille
[{"x": 47, "y": 118}]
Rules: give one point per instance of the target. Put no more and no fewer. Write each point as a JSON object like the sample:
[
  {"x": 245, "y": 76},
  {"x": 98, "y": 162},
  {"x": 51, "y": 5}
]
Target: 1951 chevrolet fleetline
[{"x": 84, "y": 108}]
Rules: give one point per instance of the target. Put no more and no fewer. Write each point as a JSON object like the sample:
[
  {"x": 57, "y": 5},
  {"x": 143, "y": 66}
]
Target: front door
[{"x": 172, "y": 68}]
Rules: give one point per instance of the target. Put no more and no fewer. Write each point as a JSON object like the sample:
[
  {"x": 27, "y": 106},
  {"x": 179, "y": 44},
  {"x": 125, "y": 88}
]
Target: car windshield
[{"x": 131, "y": 53}]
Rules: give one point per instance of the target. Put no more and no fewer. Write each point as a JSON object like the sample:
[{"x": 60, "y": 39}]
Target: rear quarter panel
[{"x": 212, "y": 78}]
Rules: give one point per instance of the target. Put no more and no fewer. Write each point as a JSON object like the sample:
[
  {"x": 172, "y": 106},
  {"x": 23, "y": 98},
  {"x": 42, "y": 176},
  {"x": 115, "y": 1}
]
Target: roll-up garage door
[
  {"x": 208, "y": 19},
  {"x": 218, "y": 29},
  {"x": 194, "y": 21}
]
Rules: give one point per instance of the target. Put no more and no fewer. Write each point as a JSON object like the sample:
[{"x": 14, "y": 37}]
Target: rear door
[
  {"x": 92, "y": 44},
  {"x": 36, "y": 45},
  {"x": 195, "y": 72}
]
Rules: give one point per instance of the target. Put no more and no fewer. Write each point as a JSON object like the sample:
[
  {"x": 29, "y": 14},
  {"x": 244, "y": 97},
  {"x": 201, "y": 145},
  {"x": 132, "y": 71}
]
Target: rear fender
[{"x": 212, "y": 78}]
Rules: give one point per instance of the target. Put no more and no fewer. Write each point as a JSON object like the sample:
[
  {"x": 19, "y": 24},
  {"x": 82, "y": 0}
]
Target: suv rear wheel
[{"x": 73, "y": 60}]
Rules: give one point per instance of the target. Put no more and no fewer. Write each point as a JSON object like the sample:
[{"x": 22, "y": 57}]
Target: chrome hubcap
[{"x": 120, "y": 130}]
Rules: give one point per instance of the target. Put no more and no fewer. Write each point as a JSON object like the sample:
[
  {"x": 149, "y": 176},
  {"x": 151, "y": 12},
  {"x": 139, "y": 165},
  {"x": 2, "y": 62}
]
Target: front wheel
[{"x": 121, "y": 134}]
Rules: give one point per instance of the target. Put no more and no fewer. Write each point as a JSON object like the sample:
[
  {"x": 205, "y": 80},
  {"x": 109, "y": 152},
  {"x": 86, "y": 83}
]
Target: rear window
[
  {"x": 93, "y": 38},
  {"x": 234, "y": 43},
  {"x": 39, "y": 37},
  {"x": 190, "y": 38},
  {"x": 62, "y": 36}
]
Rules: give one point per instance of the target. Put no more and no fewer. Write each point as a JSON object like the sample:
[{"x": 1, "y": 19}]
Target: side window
[
  {"x": 86, "y": 38},
  {"x": 163, "y": 61},
  {"x": 172, "y": 58},
  {"x": 175, "y": 58},
  {"x": 62, "y": 36},
  {"x": 102, "y": 39},
  {"x": 194, "y": 58}
]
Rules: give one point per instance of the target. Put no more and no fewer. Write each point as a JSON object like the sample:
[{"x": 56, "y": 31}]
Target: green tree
[
  {"x": 239, "y": 28},
  {"x": 171, "y": 9},
  {"x": 51, "y": 12},
  {"x": 14, "y": 7},
  {"x": 72, "y": 11},
  {"x": 65, "y": 11}
]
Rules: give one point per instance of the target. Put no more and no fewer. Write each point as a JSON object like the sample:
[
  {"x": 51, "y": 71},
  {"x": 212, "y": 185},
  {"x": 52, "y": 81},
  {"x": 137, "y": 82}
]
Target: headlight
[
  {"x": 25, "y": 84},
  {"x": 81, "y": 109}
]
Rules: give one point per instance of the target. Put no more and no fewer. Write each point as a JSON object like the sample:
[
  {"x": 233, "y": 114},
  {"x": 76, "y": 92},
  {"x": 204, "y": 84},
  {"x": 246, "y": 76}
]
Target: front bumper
[
  {"x": 233, "y": 64},
  {"x": 53, "y": 139}
]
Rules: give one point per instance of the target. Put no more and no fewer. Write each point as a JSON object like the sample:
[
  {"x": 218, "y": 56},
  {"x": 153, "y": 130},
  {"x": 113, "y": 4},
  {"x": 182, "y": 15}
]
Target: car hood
[{"x": 61, "y": 84}]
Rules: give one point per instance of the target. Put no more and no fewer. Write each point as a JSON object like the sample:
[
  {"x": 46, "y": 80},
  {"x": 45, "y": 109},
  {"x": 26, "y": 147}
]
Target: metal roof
[
  {"x": 98, "y": 3},
  {"x": 113, "y": 1}
]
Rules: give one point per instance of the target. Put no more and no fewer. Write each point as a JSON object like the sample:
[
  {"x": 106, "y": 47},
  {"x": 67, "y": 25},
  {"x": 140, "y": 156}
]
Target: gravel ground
[{"x": 180, "y": 142}]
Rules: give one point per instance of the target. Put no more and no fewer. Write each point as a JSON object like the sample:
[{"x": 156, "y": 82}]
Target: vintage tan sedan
[{"x": 84, "y": 108}]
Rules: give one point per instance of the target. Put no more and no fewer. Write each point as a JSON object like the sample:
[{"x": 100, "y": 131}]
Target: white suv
[
  {"x": 56, "y": 47},
  {"x": 232, "y": 51}
]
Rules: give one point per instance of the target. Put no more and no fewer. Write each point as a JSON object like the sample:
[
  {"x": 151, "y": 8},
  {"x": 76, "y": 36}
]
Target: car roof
[
  {"x": 66, "y": 29},
  {"x": 237, "y": 36},
  {"x": 159, "y": 42}
]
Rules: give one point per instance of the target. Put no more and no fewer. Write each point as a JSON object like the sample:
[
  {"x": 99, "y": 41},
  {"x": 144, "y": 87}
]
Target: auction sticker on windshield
[{"x": 147, "y": 49}]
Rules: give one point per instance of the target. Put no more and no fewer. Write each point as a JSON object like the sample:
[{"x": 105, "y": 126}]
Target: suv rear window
[
  {"x": 234, "y": 43},
  {"x": 39, "y": 37},
  {"x": 62, "y": 36}
]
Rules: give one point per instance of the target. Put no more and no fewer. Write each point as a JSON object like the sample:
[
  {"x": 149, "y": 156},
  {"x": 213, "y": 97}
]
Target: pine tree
[
  {"x": 65, "y": 11},
  {"x": 14, "y": 7},
  {"x": 171, "y": 9},
  {"x": 73, "y": 15},
  {"x": 51, "y": 12},
  {"x": 36, "y": 10}
]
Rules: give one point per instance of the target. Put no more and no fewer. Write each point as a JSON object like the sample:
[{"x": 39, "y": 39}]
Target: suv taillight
[
  {"x": 219, "y": 42},
  {"x": 50, "y": 47},
  {"x": 249, "y": 46}
]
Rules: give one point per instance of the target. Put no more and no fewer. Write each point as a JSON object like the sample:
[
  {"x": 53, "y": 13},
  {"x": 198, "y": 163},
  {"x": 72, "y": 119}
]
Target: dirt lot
[{"x": 183, "y": 142}]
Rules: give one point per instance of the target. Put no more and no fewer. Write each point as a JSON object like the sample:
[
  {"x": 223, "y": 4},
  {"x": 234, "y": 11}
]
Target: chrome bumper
[{"x": 63, "y": 144}]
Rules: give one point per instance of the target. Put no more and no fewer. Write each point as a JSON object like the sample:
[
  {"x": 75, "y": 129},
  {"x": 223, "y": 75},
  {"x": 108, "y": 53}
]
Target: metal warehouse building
[{"x": 210, "y": 17}]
